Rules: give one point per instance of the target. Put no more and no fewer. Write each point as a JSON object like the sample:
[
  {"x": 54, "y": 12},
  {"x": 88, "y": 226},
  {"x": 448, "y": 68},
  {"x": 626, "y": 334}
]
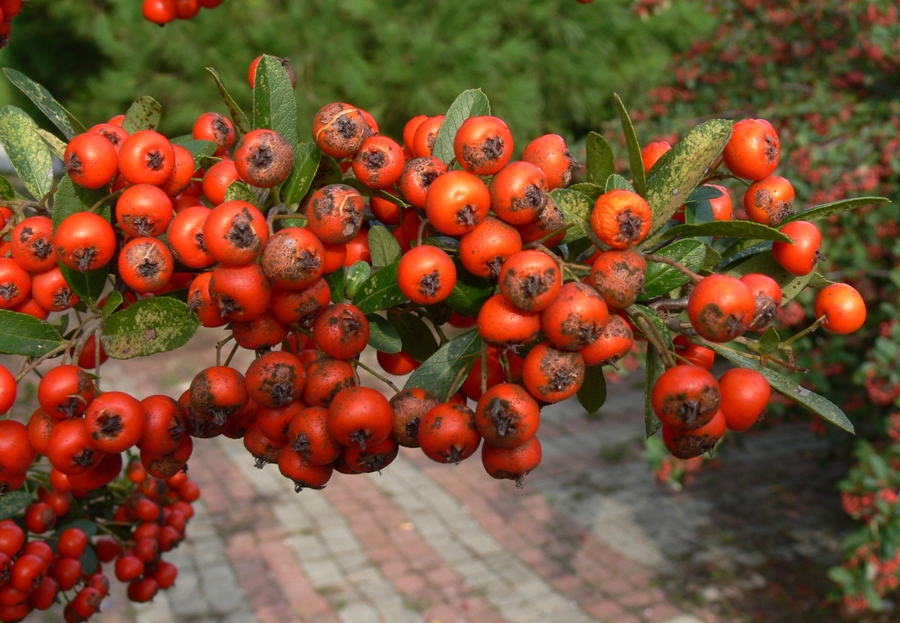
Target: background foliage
[{"x": 548, "y": 65}]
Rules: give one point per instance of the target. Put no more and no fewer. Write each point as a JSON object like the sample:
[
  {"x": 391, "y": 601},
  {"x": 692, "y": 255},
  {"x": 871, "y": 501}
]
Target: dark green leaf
[
  {"x": 731, "y": 229},
  {"x": 306, "y": 161},
  {"x": 616, "y": 181},
  {"x": 70, "y": 199},
  {"x": 21, "y": 334},
  {"x": 112, "y": 303},
  {"x": 241, "y": 123},
  {"x": 471, "y": 103},
  {"x": 787, "y": 387},
  {"x": 445, "y": 371},
  {"x": 6, "y": 189},
  {"x": 819, "y": 281},
  {"x": 663, "y": 278},
  {"x": 634, "y": 149},
  {"x": 27, "y": 151},
  {"x": 355, "y": 276},
  {"x": 447, "y": 243},
  {"x": 240, "y": 191},
  {"x": 469, "y": 293},
  {"x": 768, "y": 342},
  {"x": 592, "y": 393},
  {"x": 274, "y": 105},
  {"x": 13, "y": 503},
  {"x": 382, "y": 335},
  {"x": 593, "y": 191},
  {"x": 89, "y": 561},
  {"x": 418, "y": 340},
  {"x": 737, "y": 253},
  {"x": 697, "y": 212},
  {"x": 577, "y": 208},
  {"x": 199, "y": 149},
  {"x": 829, "y": 209},
  {"x": 843, "y": 576},
  {"x": 88, "y": 286},
  {"x": 764, "y": 263},
  {"x": 383, "y": 246},
  {"x": 380, "y": 291},
  {"x": 149, "y": 326},
  {"x": 601, "y": 163},
  {"x": 144, "y": 114},
  {"x": 641, "y": 315},
  {"x": 712, "y": 259},
  {"x": 655, "y": 368},
  {"x": 681, "y": 169},
  {"x": 86, "y": 525},
  {"x": 703, "y": 192},
  {"x": 336, "y": 281},
  {"x": 43, "y": 99},
  {"x": 329, "y": 172}
]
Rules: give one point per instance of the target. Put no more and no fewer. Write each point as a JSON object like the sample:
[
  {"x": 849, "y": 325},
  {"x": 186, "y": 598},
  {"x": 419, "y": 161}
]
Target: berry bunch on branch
[{"x": 495, "y": 286}]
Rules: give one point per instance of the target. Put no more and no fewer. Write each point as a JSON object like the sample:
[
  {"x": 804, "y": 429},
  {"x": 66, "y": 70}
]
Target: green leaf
[
  {"x": 601, "y": 162},
  {"x": 418, "y": 340},
  {"x": 469, "y": 293},
  {"x": 241, "y": 123},
  {"x": 663, "y": 278},
  {"x": 470, "y": 103},
  {"x": 6, "y": 189},
  {"x": 88, "y": 286},
  {"x": 274, "y": 104},
  {"x": 787, "y": 387},
  {"x": 634, "y": 149},
  {"x": 731, "y": 229},
  {"x": 240, "y": 191},
  {"x": 89, "y": 561},
  {"x": 21, "y": 334},
  {"x": 355, "y": 276},
  {"x": 336, "y": 282},
  {"x": 592, "y": 393},
  {"x": 382, "y": 335},
  {"x": 70, "y": 199},
  {"x": 383, "y": 246},
  {"x": 144, "y": 114},
  {"x": 380, "y": 291},
  {"x": 640, "y": 315},
  {"x": 44, "y": 100},
  {"x": 791, "y": 285},
  {"x": 655, "y": 368},
  {"x": 819, "y": 281},
  {"x": 306, "y": 161},
  {"x": 113, "y": 302},
  {"x": 842, "y": 576},
  {"x": 593, "y": 191},
  {"x": 712, "y": 259},
  {"x": 681, "y": 169},
  {"x": 86, "y": 525},
  {"x": 446, "y": 243},
  {"x": 13, "y": 503},
  {"x": 27, "y": 151},
  {"x": 768, "y": 342},
  {"x": 199, "y": 149},
  {"x": 825, "y": 210},
  {"x": 616, "y": 181},
  {"x": 153, "y": 325},
  {"x": 444, "y": 372},
  {"x": 329, "y": 172},
  {"x": 56, "y": 146},
  {"x": 577, "y": 208}
]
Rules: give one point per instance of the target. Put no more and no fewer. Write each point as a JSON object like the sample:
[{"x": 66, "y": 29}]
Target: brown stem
[
  {"x": 378, "y": 376},
  {"x": 540, "y": 241},
  {"x": 654, "y": 336},
  {"x": 667, "y": 304}
]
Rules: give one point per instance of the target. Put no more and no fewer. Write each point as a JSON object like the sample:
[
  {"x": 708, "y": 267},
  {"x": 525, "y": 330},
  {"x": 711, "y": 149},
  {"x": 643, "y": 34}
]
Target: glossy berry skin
[
  {"x": 769, "y": 201},
  {"x": 426, "y": 274},
  {"x": 457, "y": 202},
  {"x": 721, "y": 308},
  {"x": 843, "y": 307},
  {"x": 800, "y": 257},
  {"x": 744, "y": 395},
  {"x": 447, "y": 433},
  {"x": 341, "y": 331},
  {"x": 753, "y": 150},
  {"x": 90, "y": 160},
  {"x": 551, "y": 155},
  {"x": 85, "y": 241}
]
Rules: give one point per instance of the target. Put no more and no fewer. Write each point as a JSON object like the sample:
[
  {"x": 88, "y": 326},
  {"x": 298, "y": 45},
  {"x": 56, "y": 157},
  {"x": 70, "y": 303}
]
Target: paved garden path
[{"x": 591, "y": 538}]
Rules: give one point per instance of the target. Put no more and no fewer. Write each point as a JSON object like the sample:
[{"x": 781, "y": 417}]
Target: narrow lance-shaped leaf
[
  {"x": 306, "y": 161},
  {"x": 21, "y": 334},
  {"x": 444, "y": 372},
  {"x": 380, "y": 291},
  {"x": 241, "y": 123},
  {"x": 6, "y": 189},
  {"x": 382, "y": 335},
  {"x": 825, "y": 210},
  {"x": 471, "y": 103},
  {"x": 730, "y": 229},
  {"x": 682, "y": 168},
  {"x": 634, "y": 149},
  {"x": 27, "y": 151},
  {"x": 787, "y": 387},
  {"x": 44, "y": 100},
  {"x": 149, "y": 326},
  {"x": 57, "y": 147},
  {"x": 144, "y": 114},
  {"x": 655, "y": 368},
  {"x": 601, "y": 162},
  {"x": 274, "y": 105}
]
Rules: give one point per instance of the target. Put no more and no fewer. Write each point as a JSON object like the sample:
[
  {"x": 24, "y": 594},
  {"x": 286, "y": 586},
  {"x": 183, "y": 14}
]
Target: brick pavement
[{"x": 591, "y": 537}]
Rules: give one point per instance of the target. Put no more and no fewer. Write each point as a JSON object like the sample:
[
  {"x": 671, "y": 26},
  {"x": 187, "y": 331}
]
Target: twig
[{"x": 378, "y": 376}]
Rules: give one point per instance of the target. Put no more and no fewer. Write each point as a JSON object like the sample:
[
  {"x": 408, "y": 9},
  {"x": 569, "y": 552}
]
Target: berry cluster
[{"x": 164, "y": 11}]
